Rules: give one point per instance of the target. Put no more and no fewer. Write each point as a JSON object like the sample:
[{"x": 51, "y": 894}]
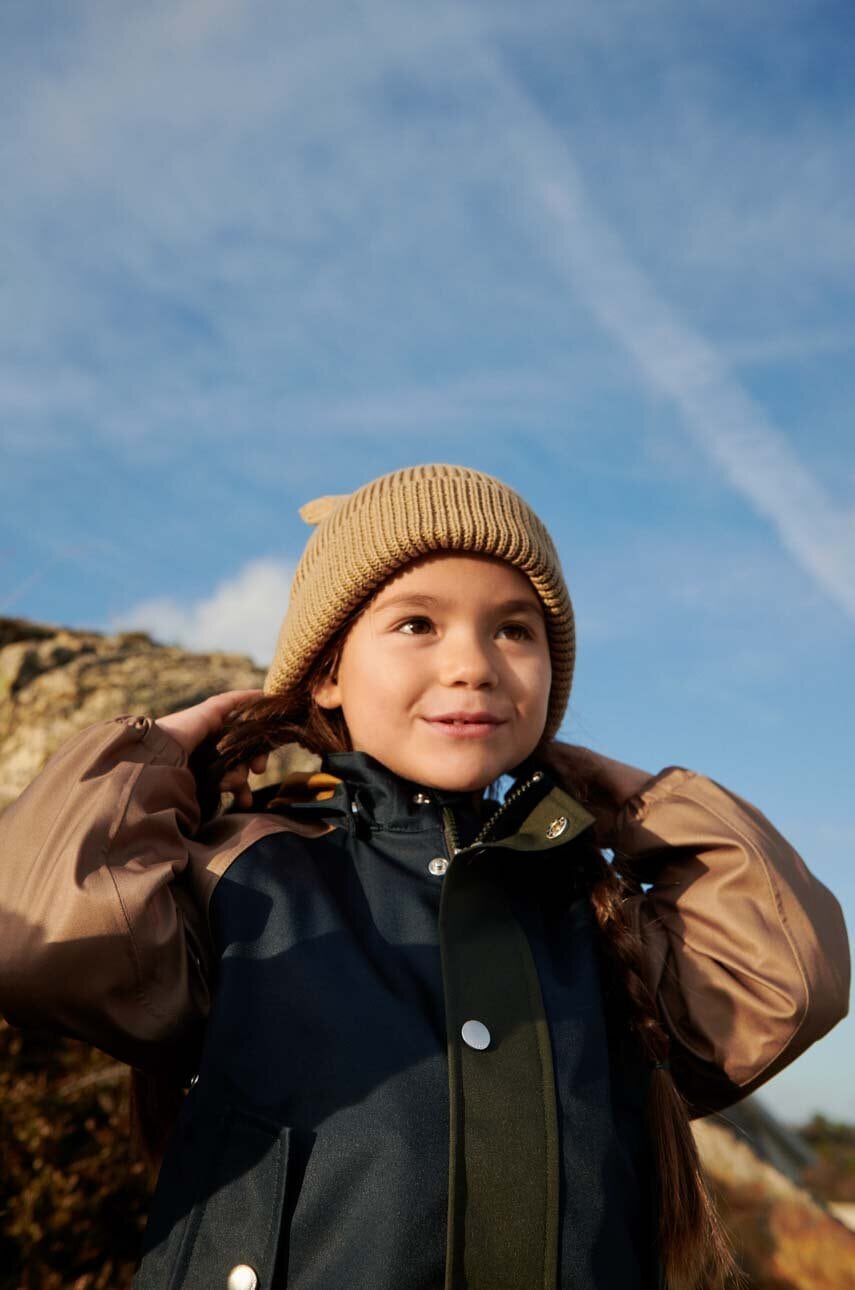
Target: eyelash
[{"x": 528, "y": 634}]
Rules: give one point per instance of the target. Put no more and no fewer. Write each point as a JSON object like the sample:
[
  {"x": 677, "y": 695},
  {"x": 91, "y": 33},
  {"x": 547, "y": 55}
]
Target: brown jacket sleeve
[
  {"x": 104, "y": 880},
  {"x": 747, "y": 951}
]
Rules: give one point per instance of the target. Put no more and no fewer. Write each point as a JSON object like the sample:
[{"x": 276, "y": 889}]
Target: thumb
[
  {"x": 220, "y": 707},
  {"x": 231, "y": 700}
]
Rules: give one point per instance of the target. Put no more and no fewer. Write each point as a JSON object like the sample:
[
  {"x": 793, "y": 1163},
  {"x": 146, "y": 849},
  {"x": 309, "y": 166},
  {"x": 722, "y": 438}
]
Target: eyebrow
[{"x": 514, "y": 606}]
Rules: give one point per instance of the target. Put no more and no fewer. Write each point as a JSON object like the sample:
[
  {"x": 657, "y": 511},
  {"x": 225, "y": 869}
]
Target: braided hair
[{"x": 692, "y": 1240}]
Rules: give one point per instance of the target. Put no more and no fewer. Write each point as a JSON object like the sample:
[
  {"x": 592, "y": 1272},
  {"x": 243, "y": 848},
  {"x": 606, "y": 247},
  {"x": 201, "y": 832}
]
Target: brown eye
[
  {"x": 420, "y": 625},
  {"x": 519, "y": 631}
]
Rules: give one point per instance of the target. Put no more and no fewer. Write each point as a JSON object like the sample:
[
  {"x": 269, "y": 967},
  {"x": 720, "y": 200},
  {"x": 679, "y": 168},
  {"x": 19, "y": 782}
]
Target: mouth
[{"x": 465, "y": 725}]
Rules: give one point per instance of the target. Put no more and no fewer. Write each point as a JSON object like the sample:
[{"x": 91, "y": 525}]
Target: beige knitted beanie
[{"x": 362, "y": 538}]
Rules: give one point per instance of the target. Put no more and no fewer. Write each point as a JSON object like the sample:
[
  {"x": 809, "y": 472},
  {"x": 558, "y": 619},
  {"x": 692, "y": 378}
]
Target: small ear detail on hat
[{"x": 321, "y": 507}]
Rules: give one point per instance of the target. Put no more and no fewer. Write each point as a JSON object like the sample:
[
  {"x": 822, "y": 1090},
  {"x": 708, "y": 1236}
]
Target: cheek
[
  {"x": 373, "y": 687},
  {"x": 534, "y": 679}
]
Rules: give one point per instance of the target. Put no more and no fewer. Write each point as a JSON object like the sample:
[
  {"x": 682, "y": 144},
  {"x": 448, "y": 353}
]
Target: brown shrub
[{"x": 72, "y": 1198}]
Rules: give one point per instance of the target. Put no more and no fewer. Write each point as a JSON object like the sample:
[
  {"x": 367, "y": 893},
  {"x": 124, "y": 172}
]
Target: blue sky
[{"x": 260, "y": 252}]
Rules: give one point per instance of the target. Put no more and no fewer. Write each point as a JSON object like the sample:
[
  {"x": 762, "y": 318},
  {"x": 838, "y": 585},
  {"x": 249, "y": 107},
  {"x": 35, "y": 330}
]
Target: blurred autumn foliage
[
  {"x": 833, "y": 1175},
  {"x": 784, "y": 1238},
  {"x": 72, "y": 1197}
]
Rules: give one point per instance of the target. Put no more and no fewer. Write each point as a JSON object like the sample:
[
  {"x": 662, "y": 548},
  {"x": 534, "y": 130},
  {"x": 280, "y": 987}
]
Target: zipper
[
  {"x": 450, "y": 827},
  {"x": 512, "y": 797}
]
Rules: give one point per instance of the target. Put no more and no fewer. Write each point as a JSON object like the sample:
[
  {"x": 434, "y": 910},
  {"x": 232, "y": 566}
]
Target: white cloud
[{"x": 242, "y": 615}]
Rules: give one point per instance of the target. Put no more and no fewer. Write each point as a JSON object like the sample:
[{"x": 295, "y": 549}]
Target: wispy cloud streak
[
  {"x": 731, "y": 427},
  {"x": 300, "y": 217}
]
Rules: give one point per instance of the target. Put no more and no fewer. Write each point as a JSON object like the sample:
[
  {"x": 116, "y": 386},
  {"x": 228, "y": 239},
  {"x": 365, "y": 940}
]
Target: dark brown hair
[{"x": 692, "y": 1242}]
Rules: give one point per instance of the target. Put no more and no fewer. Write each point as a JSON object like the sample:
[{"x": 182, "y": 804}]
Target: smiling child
[{"x": 420, "y": 1037}]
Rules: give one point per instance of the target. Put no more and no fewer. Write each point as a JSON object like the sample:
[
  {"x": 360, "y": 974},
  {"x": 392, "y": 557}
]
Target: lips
[
  {"x": 476, "y": 718},
  {"x": 466, "y": 725}
]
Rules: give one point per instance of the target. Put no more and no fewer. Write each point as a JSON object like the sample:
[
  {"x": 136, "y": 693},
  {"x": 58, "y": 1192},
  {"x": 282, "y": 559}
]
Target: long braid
[{"x": 694, "y": 1246}]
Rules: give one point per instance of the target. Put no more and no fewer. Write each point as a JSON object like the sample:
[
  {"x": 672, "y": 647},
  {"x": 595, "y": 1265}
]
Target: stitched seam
[
  {"x": 114, "y": 832},
  {"x": 401, "y": 828},
  {"x": 752, "y": 849},
  {"x": 108, "y": 846},
  {"x": 275, "y": 1208},
  {"x": 184, "y": 1254},
  {"x": 663, "y": 786},
  {"x": 528, "y": 966},
  {"x": 546, "y": 1073},
  {"x": 455, "y": 1230},
  {"x": 59, "y": 812}
]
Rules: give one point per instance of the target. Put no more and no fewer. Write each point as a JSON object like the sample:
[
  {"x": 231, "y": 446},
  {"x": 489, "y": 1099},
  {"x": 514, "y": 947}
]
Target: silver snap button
[
  {"x": 421, "y": 799},
  {"x": 557, "y": 827},
  {"x": 475, "y": 1034},
  {"x": 438, "y": 865},
  {"x": 242, "y": 1277}
]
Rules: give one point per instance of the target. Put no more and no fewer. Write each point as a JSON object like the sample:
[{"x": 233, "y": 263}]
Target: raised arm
[
  {"x": 748, "y": 952},
  {"x": 103, "y": 935}
]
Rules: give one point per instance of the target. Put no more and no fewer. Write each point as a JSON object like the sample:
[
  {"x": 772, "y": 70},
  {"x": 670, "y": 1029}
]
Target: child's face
[{"x": 449, "y": 637}]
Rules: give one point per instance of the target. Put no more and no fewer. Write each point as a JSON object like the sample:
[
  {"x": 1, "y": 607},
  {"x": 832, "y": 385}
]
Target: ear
[{"x": 327, "y": 693}]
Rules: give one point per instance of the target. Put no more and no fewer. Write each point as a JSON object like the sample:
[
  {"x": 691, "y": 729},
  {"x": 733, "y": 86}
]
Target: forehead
[{"x": 448, "y": 577}]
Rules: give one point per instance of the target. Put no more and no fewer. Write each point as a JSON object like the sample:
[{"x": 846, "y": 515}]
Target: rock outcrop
[
  {"x": 786, "y": 1239},
  {"x": 56, "y": 680}
]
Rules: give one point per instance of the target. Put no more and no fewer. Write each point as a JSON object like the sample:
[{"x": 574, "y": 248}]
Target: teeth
[{"x": 472, "y": 721}]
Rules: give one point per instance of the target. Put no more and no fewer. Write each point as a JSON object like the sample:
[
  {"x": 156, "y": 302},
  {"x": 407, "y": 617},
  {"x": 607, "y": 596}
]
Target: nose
[{"x": 468, "y": 661}]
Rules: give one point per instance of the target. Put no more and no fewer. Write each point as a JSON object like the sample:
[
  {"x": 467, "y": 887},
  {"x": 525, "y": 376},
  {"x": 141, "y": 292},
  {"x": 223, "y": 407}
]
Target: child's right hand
[{"x": 191, "y": 726}]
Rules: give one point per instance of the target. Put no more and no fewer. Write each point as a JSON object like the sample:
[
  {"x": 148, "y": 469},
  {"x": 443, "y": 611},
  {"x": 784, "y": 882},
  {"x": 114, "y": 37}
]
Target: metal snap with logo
[
  {"x": 438, "y": 865},
  {"x": 557, "y": 827}
]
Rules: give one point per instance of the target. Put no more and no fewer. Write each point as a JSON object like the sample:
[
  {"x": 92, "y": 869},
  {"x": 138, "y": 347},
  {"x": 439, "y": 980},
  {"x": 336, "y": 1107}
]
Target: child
[{"x": 429, "y": 1040}]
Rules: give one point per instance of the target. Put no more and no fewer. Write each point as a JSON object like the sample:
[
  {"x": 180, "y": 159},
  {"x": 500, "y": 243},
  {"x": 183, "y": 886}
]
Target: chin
[
  {"x": 459, "y": 778},
  {"x": 460, "y": 783}
]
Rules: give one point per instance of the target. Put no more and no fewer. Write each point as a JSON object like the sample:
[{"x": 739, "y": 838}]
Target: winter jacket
[{"x": 406, "y": 1064}]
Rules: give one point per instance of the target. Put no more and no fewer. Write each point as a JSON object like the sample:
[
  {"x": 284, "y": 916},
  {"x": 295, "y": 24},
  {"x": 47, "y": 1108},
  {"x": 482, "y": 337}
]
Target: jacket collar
[
  {"x": 384, "y": 800},
  {"x": 353, "y": 786}
]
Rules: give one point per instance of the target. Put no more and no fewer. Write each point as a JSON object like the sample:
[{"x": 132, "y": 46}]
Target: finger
[
  {"x": 225, "y": 704},
  {"x": 241, "y": 796},
  {"x": 259, "y": 763},
  {"x": 233, "y": 779},
  {"x": 236, "y": 694}
]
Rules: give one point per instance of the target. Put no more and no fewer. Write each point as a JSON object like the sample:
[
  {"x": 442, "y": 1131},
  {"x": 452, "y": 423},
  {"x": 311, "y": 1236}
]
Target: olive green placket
[{"x": 503, "y": 1184}]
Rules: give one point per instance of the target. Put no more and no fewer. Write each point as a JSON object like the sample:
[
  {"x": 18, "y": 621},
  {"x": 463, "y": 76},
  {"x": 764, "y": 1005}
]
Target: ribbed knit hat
[{"x": 362, "y": 538}]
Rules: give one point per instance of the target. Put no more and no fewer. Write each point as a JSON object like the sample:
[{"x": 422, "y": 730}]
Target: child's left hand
[
  {"x": 236, "y": 780},
  {"x": 196, "y": 729}
]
